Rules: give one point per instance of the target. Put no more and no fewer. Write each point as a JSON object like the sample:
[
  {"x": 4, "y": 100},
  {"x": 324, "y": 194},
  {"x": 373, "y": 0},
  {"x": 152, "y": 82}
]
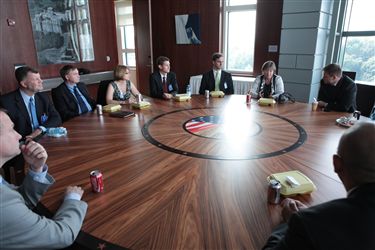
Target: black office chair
[
  {"x": 365, "y": 98},
  {"x": 350, "y": 74},
  {"x": 102, "y": 92}
]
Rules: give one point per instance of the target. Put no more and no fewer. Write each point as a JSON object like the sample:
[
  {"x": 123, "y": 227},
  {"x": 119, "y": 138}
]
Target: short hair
[
  {"x": 216, "y": 56},
  {"x": 356, "y": 149},
  {"x": 333, "y": 69},
  {"x": 161, "y": 59},
  {"x": 2, "y": 110},
  {"x": 269, "y": 65},
  {"x": 119, "y": 72},
  {"x": 22, "y": 72},
  {"x": 65, "y": 70}
]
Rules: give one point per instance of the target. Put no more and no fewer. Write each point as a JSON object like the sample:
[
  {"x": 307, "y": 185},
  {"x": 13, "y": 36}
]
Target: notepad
[
  {"x": 266, "y": 102},
  {"x": 217, "y": 93},
  {"x": 181, "y": 97},
  {"x": 122, "y": 114},
  {"x": 141, "y": 105},
  {"x": 112, "y": 107},
  {"x": 293, "y": 182}
]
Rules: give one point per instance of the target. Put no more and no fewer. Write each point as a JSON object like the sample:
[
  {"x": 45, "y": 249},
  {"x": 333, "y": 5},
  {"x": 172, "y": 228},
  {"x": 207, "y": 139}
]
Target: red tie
[{"x": 165, "y": 90}]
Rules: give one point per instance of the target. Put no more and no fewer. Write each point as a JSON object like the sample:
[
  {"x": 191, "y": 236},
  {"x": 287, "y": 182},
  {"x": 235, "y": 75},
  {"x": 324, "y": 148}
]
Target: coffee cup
[{"x": 314, "y": 106}]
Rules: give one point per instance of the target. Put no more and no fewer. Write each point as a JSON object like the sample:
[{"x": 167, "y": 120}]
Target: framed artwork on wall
[
  {"x": 62, "y": 31},
  {"x": 187, "y": 29}
]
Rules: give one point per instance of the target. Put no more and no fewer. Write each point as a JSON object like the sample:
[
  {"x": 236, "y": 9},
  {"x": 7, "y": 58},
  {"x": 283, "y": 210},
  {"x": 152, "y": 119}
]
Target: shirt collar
[
  {"x": 71, "y": 87},
  {"x": 161, "y": 74},
  {"x": 25, "y": 97}
]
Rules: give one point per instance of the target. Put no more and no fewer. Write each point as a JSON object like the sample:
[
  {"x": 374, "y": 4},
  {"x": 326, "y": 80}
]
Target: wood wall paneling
[
  {"x": 142, "y": 41},
  {"x": 268, "y": 32},
  {"x": 17, "y": 42},
  {"x": 186, "y": 60}
]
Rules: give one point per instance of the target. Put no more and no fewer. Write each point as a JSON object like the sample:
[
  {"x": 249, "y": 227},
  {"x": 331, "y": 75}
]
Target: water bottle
[
  {"x": 56, "y": 132},
  {"x": 188, "y": 90}
]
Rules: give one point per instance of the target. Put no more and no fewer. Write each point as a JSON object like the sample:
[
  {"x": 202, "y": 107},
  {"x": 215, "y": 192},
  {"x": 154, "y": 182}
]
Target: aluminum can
[
  {"x": 99, "y": 109},
  {"x": 139, "y": 98},
  {"x": 274, "y": 188},
  {"x": 207, "y": 94},
  {"x": 248, "y": 98},
  {"x": 96, "y": 179}
]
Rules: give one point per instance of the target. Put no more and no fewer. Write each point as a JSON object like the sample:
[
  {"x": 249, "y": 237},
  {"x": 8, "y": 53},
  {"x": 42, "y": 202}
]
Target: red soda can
[
  {"x": 248, "y": 98},
  {"x": 96, "y": 179}
]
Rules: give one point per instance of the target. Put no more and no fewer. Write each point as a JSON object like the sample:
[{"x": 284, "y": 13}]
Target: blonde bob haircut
[
  {"x": 269, "y": 65},
  {"x": 120, "y": 72}
]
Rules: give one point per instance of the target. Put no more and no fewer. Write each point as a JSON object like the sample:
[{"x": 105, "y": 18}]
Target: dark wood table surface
[{"x": 166, "y": 187}]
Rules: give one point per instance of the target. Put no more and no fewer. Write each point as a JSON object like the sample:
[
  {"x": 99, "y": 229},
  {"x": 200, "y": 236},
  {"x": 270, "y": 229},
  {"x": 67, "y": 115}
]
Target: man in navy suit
[
  {"x": 163, "y": 83},
  {"x": 71, "y": 97},
  {"x": 217, "y": 79},
  {"x": 347, "y": 223},
  {"x": 30, "y": 110}
]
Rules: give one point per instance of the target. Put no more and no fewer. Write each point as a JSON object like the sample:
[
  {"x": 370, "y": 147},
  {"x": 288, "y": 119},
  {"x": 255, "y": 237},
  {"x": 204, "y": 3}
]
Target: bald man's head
[{"x": 357, "y": 151}]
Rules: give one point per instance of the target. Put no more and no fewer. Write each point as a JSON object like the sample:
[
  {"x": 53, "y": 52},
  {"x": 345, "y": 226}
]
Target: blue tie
[
  {"x": 81, "y": 103},
  {"x": 34, "y": 119}
]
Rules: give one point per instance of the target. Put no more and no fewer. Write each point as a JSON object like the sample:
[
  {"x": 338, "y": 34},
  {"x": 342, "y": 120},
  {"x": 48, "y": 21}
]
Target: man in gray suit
[
  {"x": 347, "y": 223},
  {"x": 20, "y": 227}
]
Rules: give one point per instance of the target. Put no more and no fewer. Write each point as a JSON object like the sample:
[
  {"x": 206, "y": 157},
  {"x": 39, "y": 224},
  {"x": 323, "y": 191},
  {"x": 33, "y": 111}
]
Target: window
[
  {"x": 357, "y": 45},
  {"x": 239, "y": 34},
  {"x": 125, "y": 32}
]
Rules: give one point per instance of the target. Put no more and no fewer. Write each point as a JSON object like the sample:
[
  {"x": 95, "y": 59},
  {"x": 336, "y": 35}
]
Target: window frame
[
  {"x": 125, "y": 50},
  {"x": 226, "y": 9},
  {"x": 338, "y": 26}
]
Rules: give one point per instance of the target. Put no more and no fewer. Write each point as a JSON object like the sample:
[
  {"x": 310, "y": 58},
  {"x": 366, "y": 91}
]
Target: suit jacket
[
  {"x": 341, "y": 97},
  {"x": 66, "y": 103},
  {"x": 22, "y": 228},
  {"x": 17, "y": 111},
  {"x": 339, "y": 224},
  {"x": 156, "y": 85},
  {"x": 208, "y": 82}
]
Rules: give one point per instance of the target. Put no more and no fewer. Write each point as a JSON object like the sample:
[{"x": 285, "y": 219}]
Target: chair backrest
[
  {"x": 350, "y": 74},
  {"x": 365, "y": 98},
  {"x": 102, "y": 92}
]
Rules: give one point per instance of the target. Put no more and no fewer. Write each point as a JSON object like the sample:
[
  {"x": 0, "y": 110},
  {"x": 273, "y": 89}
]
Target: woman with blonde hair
[
  {"x": 268, "y": 85},
  {"x": 121, "y": 90}
]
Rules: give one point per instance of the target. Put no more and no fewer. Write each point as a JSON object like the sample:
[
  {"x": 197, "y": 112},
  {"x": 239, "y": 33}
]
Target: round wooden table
[{"x": 191, "y": 174}]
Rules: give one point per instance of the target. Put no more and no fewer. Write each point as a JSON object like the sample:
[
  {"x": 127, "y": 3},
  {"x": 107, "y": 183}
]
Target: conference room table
[{"x": 172, "y": 184}]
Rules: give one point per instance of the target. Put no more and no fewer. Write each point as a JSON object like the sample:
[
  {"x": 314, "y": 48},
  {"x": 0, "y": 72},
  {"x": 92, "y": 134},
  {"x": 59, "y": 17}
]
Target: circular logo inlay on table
[{"x": 208, "y": 133}]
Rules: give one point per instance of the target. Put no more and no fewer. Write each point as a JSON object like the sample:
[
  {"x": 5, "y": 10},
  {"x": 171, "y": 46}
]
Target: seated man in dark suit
[
  {"x": 347, "y": 223},
  {"x": 71, "y": 97},
  {"x": 20, "y": 226},
  {"x": 337, "y": 91},
  {"x": 163, "y": 83},
  {"x": 31, "y": 111},
  {"x": 217, "y": 79}
]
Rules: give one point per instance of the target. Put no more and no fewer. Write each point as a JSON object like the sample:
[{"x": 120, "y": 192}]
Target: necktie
[
  {"x": 217, "y": 81},
  {"x": 80, "y": 101},
  {"x": 165, "y": 90},
  {"x": 34, "y": 119}
]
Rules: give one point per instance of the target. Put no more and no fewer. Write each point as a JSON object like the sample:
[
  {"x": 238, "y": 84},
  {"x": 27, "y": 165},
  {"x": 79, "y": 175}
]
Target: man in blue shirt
[
  {"x": 71, "y": 97},
  {"x": 20, "y": 227},
  {"x": 31, "y": 111}
]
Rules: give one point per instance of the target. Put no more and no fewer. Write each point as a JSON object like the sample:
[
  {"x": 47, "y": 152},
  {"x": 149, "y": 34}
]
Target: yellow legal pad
[
  {"x": 141, "y": 105},
  {"x": 217, "y": 93},
  {"x": 287, "y": 189},
  {"x": 111, "y": 107},
  {"x": 266, "y": 102},
  {"x": 181, "y": 97}
]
